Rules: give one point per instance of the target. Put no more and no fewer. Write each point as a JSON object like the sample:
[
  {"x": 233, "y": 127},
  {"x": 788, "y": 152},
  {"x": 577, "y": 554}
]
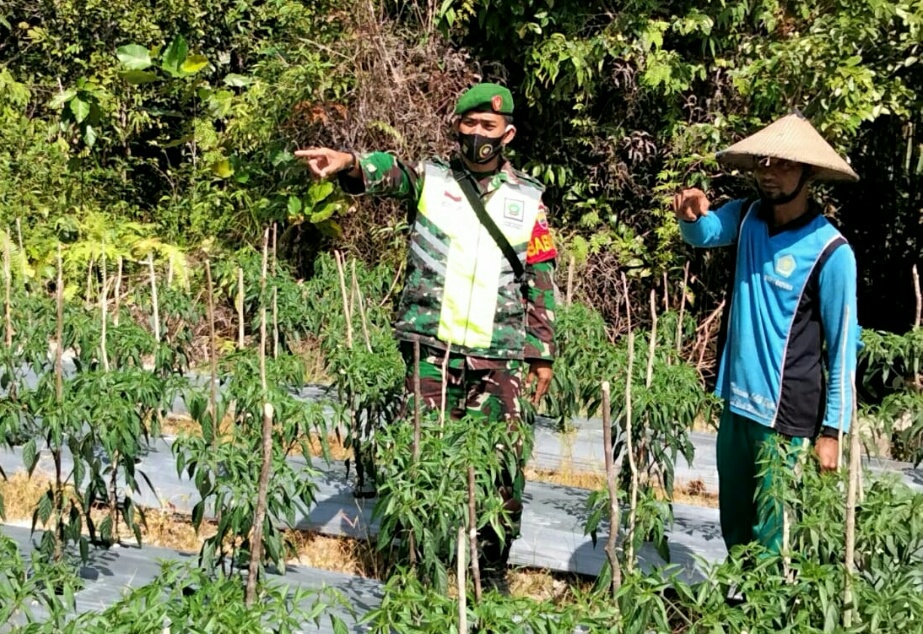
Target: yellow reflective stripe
[
  {"x": 470, "y": 297},
  {"x": 474, "y": 262}
]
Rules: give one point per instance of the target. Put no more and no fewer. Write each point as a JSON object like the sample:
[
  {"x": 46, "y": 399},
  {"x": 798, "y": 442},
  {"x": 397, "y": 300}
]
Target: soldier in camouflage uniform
[{"x": 461, "y": 300}]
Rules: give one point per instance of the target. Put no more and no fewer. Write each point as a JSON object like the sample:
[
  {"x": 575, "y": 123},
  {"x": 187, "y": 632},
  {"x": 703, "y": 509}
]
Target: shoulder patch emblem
[{"x": 785, "y": 265}]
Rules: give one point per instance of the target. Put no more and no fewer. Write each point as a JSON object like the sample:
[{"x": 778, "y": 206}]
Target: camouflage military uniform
[{"x": 486, "y": 381}]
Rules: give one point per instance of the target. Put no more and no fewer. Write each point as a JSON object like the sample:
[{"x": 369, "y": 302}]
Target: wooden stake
[
  {"x": 346, "y": 312},
  {"x": 212, "y": 351},
  {"x": 630, "y": 552},
  {"x": 170, "y": 270},
  {"x": 570, "y": 280},
  {"x": 682, "y": 310},
  {"x": 445, "y": 384},
  {"x": 652, "y": 347},
  {"x": 855, "y": 476},
  {"x": 154, "y": 302},
  {"x": 666, "y": 292},
  {"x": 104, "y": 315},
  {"x": 89, "y": 299},
  {"x": 59, "y": 331},
  {"x": 627, "y": 300},
  {"x": 840, "y": 433},
  {"x": 7, "y": 284},
  {"x": 275, "y": 295},
  {"x": 473, "y": 536},
  {"x": 612, "y": 482},
  {"x": 462, "y": 590},
  {"x": 361, "y": 303},
  {"x": 918, "y": 316},
  {"x": 417, "y": 397},
  {"x": 59, "y": 395},
  {"x": 118, "y": 293},
  {"x": 256, "y": 542},
  {"x": 240, "y": 308},
  {"x": 22, "y": 251}
]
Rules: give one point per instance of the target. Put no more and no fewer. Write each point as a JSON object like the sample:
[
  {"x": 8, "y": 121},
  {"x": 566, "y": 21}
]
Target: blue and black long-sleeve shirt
[{"x": 794, "y": 294}]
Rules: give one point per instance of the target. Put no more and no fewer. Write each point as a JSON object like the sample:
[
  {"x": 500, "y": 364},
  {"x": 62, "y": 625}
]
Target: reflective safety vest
[{"x": 459, "y": 288}]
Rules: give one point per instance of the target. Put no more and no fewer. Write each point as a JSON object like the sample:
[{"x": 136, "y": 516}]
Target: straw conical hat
[{"x": 794, "y": 138}]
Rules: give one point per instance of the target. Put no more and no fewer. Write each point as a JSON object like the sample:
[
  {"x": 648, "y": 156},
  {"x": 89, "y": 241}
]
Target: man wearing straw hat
[{"x": 792, "y": 310}]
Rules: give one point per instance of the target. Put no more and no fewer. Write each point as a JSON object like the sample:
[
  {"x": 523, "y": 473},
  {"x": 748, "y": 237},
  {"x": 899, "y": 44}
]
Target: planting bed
[{"x": 111, "y": 573}]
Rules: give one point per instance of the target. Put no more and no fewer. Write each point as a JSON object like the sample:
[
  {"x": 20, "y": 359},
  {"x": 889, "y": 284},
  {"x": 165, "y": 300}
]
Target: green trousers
[{"x": 748, "y": 512}]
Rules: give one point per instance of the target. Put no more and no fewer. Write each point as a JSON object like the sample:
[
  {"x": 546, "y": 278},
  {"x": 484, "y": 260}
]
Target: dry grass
[
  {"x": 338, "y": 554},
  {"x": 694, "y": 493},
  {"x": 177, "y": 424},
  {"x": 21, "y": 494}
]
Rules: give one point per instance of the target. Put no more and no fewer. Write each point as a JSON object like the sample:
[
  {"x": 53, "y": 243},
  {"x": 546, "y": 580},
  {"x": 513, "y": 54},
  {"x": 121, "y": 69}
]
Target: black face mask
[{"x": 479, "y": 149}]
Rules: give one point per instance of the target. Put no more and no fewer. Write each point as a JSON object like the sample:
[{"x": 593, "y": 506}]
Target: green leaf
[
  {"x": 325, "y": 212},
  {"x": 134, "y": 56},
  {"x": 175, "y": 55},
  {"x": 222, "y": 169},
  {"x": 294, "y": 205},
  {"x": 320, "y": 191},
  {"x": 62, "y": 98},
  {"x": 237, "y": 81},
  {"x": 89, "y": 136},
  {"x": 138, "y": 76},
  {"x": 80, "y": 109},
  {"x": 194, "y": 63}
]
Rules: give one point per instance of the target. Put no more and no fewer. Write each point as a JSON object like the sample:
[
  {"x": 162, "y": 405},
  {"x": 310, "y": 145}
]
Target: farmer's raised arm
[{"x": 702, "y": 227}]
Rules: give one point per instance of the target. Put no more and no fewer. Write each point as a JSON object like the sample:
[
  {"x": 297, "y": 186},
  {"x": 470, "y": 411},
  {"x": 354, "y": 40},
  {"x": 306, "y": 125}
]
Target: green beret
[{"x": 494, "y": 96}]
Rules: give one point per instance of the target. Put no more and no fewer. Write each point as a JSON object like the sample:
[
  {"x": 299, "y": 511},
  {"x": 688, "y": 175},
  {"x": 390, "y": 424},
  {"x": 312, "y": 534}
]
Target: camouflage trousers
[{"x": 487, "y": 390}]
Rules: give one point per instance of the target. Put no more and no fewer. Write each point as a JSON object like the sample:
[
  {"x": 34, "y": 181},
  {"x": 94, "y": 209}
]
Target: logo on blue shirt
[{"x": 785, "y": 265}]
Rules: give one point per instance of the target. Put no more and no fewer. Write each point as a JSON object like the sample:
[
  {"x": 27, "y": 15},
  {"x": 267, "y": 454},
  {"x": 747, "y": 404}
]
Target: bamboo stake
[
  {"x": 666, "y": 292},
  {"x": 918, "y": 316},
  {"x": 361, "y": 302},
  {"x": 630, "y": 552},
  {"x": 59, "y": 331},
  {"x": 118, "y": 293},
  {"x": 613, "y": 493},
  {"x": 840, "y": 433},
  {"x": 150, "y": 266},
  {"x": 570, "y": 280},
  {"x": 275, "y": 295},
  {"x": 240, "y": 308},
  {"x": 627, "y": 300},
  {"x": 7, "y": 283},
  {"x": 445, "y": 385},
  {"x": 212, "y": 351},
  {"x": 346, "y": 312},
  {"x": 22, "y": 251},
  {"x": 59, "y": 395},
  {"x": 104, "y": 313},
  {"x": 256, "y": 545},
  {"x": 170, "y": 270},
  {"x": 417, "y": 396},
  {"x": 682, "y": 310},
  {"x": 89, "y": 299},
  {"x": 855, "y": 476},
  {"x": 412, "y": 541},
  {"x": 652, "y": 347},
  {"x": 462, "y": 590},
  {"x": 473, "y": 536}
]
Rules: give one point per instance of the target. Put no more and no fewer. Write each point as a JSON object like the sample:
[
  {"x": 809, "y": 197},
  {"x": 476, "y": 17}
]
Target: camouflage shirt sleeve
[
  {"x": 383, "y": 174},
  {"x": 540, "y": 307}
]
